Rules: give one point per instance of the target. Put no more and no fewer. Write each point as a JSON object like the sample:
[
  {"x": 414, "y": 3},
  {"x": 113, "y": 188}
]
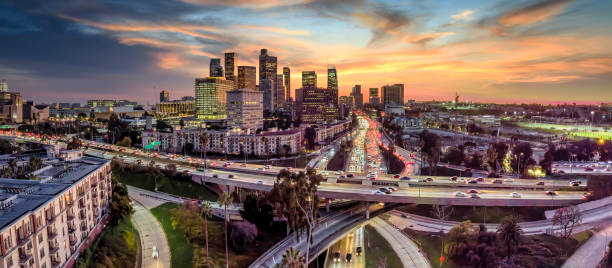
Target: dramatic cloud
[{"x": 463, "y": 15}]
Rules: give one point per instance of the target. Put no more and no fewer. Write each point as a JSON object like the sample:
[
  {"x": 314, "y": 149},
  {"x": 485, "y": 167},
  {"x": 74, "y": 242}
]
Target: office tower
[
  {"x": 245, "y": 109},
  {"x": 374, "y": 99},
  {"x": 231, "y": 58},
  {"x": 280, "y": 91},
  {"x": 332, "y": 84},
  {"x": 4, "y": 86},
  {"x": 247, "y": 77},
  {"x": 393, "y": 94},
  {"x": 164, "y": 96},
  {"x": 267, "y": 86},
  {"x": 211, "y": 98},
  {"x": 267, "y": 66},
  {"x": 357, "y": 96},
  {"x": 316, "y": 106},
  {"x": 309, "y": 79},
  {"x": 287, "y": 79},
  {"x": 216, "y": 70}
]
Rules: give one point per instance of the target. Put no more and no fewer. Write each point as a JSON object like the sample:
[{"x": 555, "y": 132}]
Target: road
[
  {"x": 151, "y": 234},
  {"x": 408, "y": 252},
  {"x": 348, "y": 244},
  {"x": 591, "y": 252}
]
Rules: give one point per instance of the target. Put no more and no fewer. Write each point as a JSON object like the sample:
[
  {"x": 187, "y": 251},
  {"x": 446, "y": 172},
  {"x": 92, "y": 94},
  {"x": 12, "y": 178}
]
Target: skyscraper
[
  {"x": 287, "y": 80},
  {"x": 280, "y": 91},
  {"x": 393, "y": 94},
  {"x": 4, "y": 86},
  {"x": 164, "y": 96},
  {"x": 313, "y": 104},
  {"x": 267, "y": 66},
  {"x": 231, "y": 58},
  {"x": 357, "y": 96},
  {"x": 309, "y": 79},
  {"x": 332, "y": 84},
  {"x": 216, "y": 70},
  {"x": 211, "y": 98},
  {"x": 247, "y": 77},
  {"x": 374, "y": 99},
  {"x": 269, "y": 92},
  {"x": 245, "y": 108}
]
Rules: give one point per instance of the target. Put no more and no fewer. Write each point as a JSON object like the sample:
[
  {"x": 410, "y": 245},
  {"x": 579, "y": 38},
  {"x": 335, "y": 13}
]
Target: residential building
[
  {"x": 245, "y": 109},
  {"x": 231, "y": 59},
  {"x": 287, "y": 80},
  {"x": 314, "y": 105},
  {"x": 216, "y": 70},
  {"x": 49, "y": 222},
  {"x": 164, "y": 96},
  {"x": 357, "y": 96},
  {"x": 327, "y": 132},
  {"x": 309, "y": 79},
  {"x": 176, "y": 107},
  {"x": 393, "y": 94},
  {"x": 211, "y": 98},
  {"x": 247, "y": 77},
  {"x": 267, "y": 66}
]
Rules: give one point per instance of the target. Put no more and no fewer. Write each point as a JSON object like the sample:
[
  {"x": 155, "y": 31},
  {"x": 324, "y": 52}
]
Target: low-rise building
[{"x": 177, "y": 107}]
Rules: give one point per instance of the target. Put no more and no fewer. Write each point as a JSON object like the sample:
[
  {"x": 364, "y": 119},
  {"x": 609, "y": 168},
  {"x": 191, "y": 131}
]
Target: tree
[
  {"x": 521, "y": 157},
  {"x": 567, "y": 218},
  {"x": 454, "y": 156},
  {"x": 509, "y": 233},
  {"x": 120, "y": 206},
  {"x": 430, "y": 147},
  {"x": 547, "y": 162},
  {"x": 225, "y": 199},
  {"x": 243, "y": 234},
  {"x": 6, "y": 147},
  {"x": 34, "y": 163},
  {"x": 490, "y": 159},
  {"x": 310, "y": 135},
  {"x": 456, "y": 240},
  {"x": 292, "y": 259},
  {"x": 206, "y": 211},
  {"x": 187, "y": 218},
  {"x": 125, "y": 142},
  {"x": 257, "y": 211},
  {"x": 171, "y": 169},
  {"x": 74, "y": 144}
]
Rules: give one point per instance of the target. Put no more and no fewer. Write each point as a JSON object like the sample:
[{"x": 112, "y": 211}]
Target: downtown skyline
[{"x": 524, "y": 51}]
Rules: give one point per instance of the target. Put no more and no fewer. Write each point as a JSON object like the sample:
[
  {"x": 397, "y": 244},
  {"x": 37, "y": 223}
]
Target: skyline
[{"x": 554, "y": 51}]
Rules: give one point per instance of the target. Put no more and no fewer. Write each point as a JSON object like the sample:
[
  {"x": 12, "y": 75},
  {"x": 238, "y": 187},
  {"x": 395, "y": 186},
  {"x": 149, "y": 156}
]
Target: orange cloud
[
  {"x": 155, "y": 43},
  {"x": 537, "y": 12},
  {"x": 169, "y": 61},
  {"x": 272, "y": 29}
]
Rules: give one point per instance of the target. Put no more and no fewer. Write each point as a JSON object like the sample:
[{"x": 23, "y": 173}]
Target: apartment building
[{"x": 46, "y": 223}]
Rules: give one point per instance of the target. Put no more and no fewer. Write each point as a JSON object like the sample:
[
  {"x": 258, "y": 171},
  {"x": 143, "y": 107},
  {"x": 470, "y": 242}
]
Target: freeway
[{"x": 336, "y": 254}]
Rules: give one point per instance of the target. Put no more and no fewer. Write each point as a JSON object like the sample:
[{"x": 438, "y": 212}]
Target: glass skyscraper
[
  {"x": 287, "y": 80},
  {"x": 211, "y": 98},
  {"x": 267, "y": 66},
  {"x": 216, "y": 70},
  {"x": 332, "y": 84},
  {"x": 231, "y": 59},
  {"x": 309, "y": 79},
  {"x": 247, "y": 77}
]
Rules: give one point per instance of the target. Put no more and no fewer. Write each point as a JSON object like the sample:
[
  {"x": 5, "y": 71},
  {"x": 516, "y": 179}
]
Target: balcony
[
  {"x": 81, "y": 194},
  {"x": 50, "y": 219},
  {"x": 71, "y": 229},
  {"x": 70, "y": 216},
  {"x": 24, "y": 257},
  {"x": 81, "y": 204},
  {"x": 94, "y": 194},
  {"x": 96, "y": 213},
  {"x": 53, "y": 248},
  {"x": 73, "y": 241},
  {"x": 83, "y": 228},
  {"x": 51, "y": 234},
  {"x": 94, "y": 184},
  {"x": 22, "y": 240},
  {"x": 82, "y": 216},
  {"x": 55, "y": 263}
]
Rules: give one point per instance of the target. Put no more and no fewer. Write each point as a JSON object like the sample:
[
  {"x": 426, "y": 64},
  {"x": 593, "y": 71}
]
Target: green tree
[
  {"x": 509, "y": 232},
  {"x": 292, "y": 259},
  {"x": 125, "y": 142},
  {"x": 456, "y": 241},
  {"x": 120, "y": 206},
  {"x": 430, "y": 147},
  {"x": 206, "y": 211},
  {"x": 225, "y": 199},
  {"x": 34, "y": 163}
]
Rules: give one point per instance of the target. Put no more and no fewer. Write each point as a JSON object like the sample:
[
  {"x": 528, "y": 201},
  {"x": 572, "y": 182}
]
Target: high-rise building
[
  {"x": 280, "y": 91},
  {"x": 287, "y": 80},
  {"x": 245, "y": 108},
  {"x": 164, "y": 96},
  {"x": 313, "y": 104},
  {"x": 231, "y": 58},
  {"x": 393, "y": 94},
  {"x": 345, "y": 104},
  {"x": 4, "y": 86},
  {"x": 309, "y": 79},
  {"x": 267, "y": 86},
  {"x": 357, "y": 96},
  {"x": 211, "y": 98},
  {"x": 267, "y": 66},
  {"x": 216, "y": 70},
  {"x": 374, "y": 98},
  {"x": 332, "y": 84},
  {"x": 11, "y": 107},
  {"x": 247, "y": 77},
  {"x": 374, "y": 92}
]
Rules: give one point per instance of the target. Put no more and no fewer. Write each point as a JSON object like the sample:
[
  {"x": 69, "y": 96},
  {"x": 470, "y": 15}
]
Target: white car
[
  {"x": 155, "y": 252},
  {"x": 460, "y": 194},
  {"x": 378, "y": 192},
  {"x": 508, "y": 180},
  {"x": 515, "y": 195}
]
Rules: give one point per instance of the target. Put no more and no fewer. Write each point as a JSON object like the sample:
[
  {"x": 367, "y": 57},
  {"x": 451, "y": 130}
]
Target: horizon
[{"x": 524, "y": 52}]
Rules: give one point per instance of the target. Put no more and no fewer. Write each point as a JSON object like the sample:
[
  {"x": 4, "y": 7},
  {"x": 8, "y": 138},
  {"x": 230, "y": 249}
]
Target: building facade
[
  {"x": 247, "y": 77},
  {"x": 309, "y": 79},
  {"x": 287, "y": 80},
  {"x": 332, "y": 84},
  {"x": 245, "y": 109},
  {"x": 314, "y": 103},
  {"x": 393, "y": 94},
  {"x": 211, "y": 98},
  {"x": 267, "y": 86},
  {"x": 267, "y": 66},
  {"x": 177, "y": 107},
  {"x": 216, "y": 70},
  {"x": 11, "y": 105},
  {"x": 231, "y": 59},
  {"x": 279, "y": 96},
  {"x": 164, "y": 96},
  {"x": 357, "y": 96}
]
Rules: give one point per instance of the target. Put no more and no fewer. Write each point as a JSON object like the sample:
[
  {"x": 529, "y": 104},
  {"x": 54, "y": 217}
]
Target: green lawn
[
  {"x": 377, "y": 248},
  {"x": 478, "y": 214},
  {"x": 431, "y": 245},
  {"x": 180, "y": 250},
  {"x": 115, "y": 247},
  {"x": 166, "y": 184}
]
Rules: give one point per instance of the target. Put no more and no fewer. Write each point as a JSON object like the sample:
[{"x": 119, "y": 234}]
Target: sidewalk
[
  {"x": 591, "y": 252},
  {"x": 151, "y": 234},
  {"x": 406, "y": 249}
]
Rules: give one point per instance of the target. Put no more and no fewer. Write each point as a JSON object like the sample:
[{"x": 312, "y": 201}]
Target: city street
[
  {"x": 151, "y": 235},
  {"x": 336, "y": 254}
]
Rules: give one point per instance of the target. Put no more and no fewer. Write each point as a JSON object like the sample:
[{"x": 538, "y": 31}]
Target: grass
[
  {"x": 377, "y": 247},
  {"x": 431, "y": 245},
  {"x": 475, "y": 214},
  {"x": 177, "y": 186},
  {"x": 117, "y": 246},
  {"x": 180, "y": 250}
]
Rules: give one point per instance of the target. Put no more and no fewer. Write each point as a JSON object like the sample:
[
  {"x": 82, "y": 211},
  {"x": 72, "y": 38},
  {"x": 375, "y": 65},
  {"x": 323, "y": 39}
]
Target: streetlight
[{"x": 592, "y": 114}]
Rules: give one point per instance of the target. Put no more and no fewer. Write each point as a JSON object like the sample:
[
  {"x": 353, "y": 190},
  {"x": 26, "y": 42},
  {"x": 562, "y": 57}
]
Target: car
[
  {"x": 337, "y": 256},
  {"x": 540, "y": 183},
  {"x": 508, "y": 180},
  {"x": 200, "y": 169},
  {"x": 378, "y": 193},
  {"x": 396, "y": 176},
  {"x": 498, "y": 181},
  {"x": 384, "y": 190},
  {"x": 155, "y": 252},
  {"x": 480, "y": 179},
  {"x": 474, "y": 196},
  {"x": 231, "y": 176},
  {"x": 350, "y": 175},
  {"x": 561, "y": 172},
  {"x": 467, "y": 170},
  {"x": 587, "y": 196},
  {"x": 404, "y": 216},
  {"x": 588, "y": 169},
  {"x": 267, "y": 166},
  {"x": 429, "y": 179},
  {"x": 349, "y": 256},
  {"x": 215, "y": 175},
  {"x": 405, "y": 178},
  {"x": 472, "y": 191},
  {"x": 342, "y": 177},
  {"x": 575, "y": 184},
  {"x": 551, "y": 193},
  {"x": 358, "y": 250},
  {"x": 472, "y": 181},
  {"x": 454, "y": 178},
  {"x": 260, "y": 169},
  {"x": 243, "y": 165},
  {"x": 392, "y": 189},
  {"x": 460, "y": 194},
  {"x": 260, "y": 182},
  {"x": 515, "y": 195}
]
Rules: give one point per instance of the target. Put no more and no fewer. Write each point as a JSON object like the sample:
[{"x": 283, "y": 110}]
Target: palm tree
[
  {"x": 204, "y": 140},
  {"x": 207, "y": 212},
  {"x": 292, "y": 259},
  {"x": 510, "y": 233},
  {"x": 224, "y": 200},
  {"x": 34, "y": 163}
]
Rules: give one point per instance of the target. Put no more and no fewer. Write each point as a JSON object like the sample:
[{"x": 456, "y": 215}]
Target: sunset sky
[{"x": 504, "y": 51}]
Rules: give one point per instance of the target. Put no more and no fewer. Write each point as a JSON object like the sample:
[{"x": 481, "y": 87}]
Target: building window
[
  {"x": 7, "y": 242},
  {"x": 40, "y": 238},
  {"x": 9, "y": 261},
  {"x": 42, "y": 253}
]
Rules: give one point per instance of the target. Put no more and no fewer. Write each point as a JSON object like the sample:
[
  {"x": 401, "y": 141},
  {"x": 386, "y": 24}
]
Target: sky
[{"x": 520, "y": 51}]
